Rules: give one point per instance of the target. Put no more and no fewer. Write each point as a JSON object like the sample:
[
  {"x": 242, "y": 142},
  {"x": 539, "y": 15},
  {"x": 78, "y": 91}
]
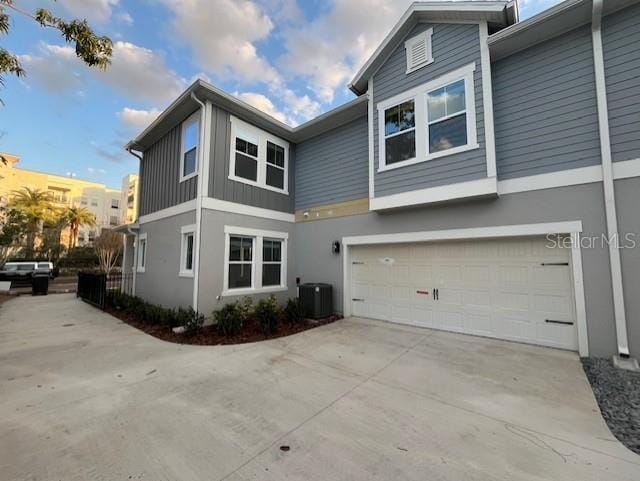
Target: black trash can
[{"x": 40, "y": 283}]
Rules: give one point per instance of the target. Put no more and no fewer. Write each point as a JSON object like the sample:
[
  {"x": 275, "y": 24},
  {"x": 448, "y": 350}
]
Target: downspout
[
  {"x": 608, "y": 183},
  {"x": 134, "y": 268},
  {"x": 199, "y": 197}
]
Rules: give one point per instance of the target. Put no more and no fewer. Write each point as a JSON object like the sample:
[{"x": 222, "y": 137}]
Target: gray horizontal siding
[
  {"x": 621, "y": 43},
  {"x": 545, "y": 110},
  {"x": 160, "y": 185},
  {"x": 454, "y": 46},
  {"x": 333, "y": 167},
  {"x": 221, "y": 187}
]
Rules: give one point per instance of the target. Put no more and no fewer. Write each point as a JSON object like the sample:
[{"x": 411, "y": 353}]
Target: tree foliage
[
  {"x": 75, "y": 217},
  {"x": 14, "y": 225},
  {"x": 108, "y": 247},
  {"x": 36, "y": 207},
  {"x": 92, "y": 49}
]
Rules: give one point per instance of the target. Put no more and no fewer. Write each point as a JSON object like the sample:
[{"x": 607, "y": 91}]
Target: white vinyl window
[
  {"x": 142, "y": 252},
  {"x": 430, "y": 121},
  {"x": 187, "y": 250},
  {"x": 189, "y": 150},
  {"x": 258, "y": 158},
  {"x": 255, "y": 261},
  {"x": 418, "y": 50}
]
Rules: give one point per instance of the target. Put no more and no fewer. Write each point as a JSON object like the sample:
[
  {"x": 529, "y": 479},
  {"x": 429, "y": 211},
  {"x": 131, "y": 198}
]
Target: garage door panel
[
  {"x": 513, "y": 274},
  {"x": 512, "y": 299},
  {"x": 551, "y": 276},
  {"x": 476, "y": 298},
  {"x": 553, "y": 304},
  {"x": 476, "y": 275},
  {"x": 495, "y": 288}
]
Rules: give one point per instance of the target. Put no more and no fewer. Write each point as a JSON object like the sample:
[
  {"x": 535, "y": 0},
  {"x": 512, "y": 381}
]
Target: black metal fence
[{"x": 96, "y": 288}]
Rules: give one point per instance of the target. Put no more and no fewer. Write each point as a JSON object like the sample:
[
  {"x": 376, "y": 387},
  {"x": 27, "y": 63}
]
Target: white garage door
[{"x": 515, "y": 289}]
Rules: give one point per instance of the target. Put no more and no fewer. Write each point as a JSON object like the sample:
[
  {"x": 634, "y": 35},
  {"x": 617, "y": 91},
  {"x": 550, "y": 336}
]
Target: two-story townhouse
[{"x": 478, "y": 183}]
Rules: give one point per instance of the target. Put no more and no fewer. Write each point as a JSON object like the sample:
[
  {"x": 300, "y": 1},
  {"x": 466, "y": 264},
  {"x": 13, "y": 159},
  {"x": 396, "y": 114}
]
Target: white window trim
[
  {"x": 422, "y": 37},
  {"x": 187, "y": 229},
  {"x": 419, "y": 96},
  {"x": 142, "y": 261},
  {"x": 256, "y": 261},
  {"x": 195, "y": 118},
  {"x": 263, "y": 137}
]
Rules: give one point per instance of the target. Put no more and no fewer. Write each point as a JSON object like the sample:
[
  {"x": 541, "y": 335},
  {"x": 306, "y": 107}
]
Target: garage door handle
[
  {"x": 357, "y": 300},
  {"x": 436, "y": 294},
  {"x": 553, "y": 321},
  {"x": 554, "y": 264}
]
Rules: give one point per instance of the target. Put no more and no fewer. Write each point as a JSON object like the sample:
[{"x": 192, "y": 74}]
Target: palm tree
[
  {"x": 36, "y": 206},
  {"x": 76, "y": 217}
]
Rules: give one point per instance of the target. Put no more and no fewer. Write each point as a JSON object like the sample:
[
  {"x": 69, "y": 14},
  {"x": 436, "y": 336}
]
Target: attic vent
[{"x": 418, "y": 50}]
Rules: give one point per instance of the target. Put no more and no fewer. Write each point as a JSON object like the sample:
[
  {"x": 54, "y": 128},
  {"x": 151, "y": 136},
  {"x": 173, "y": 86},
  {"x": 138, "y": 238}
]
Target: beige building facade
[{"x": 104, "y": 202}]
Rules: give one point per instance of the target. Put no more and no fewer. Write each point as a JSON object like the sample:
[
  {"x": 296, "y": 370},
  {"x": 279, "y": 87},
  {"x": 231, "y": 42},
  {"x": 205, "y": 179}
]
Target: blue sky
[{"x": 290, "y": 58}]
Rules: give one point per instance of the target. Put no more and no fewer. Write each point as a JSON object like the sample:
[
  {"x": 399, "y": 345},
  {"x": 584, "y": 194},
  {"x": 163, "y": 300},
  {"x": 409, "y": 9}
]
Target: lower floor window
[
  {"x": 256, "y": 260},
  {"x": 187, "y": 250},
  {"x": 271, "y": 262},
  {"x": 240, "y": 262}
]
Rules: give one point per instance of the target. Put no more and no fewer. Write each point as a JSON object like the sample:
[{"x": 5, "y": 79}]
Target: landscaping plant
[
  {"x": 230, "y": 319},
  {"x": 268, "y": 313},
  {"x": 294, "y": 311}
]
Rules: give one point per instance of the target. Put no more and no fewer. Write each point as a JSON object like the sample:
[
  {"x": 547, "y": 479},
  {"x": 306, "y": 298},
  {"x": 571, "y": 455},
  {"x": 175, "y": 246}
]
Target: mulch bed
[
  {"x": 211, "y": 336},
  {"x": 618, "y": 394}
]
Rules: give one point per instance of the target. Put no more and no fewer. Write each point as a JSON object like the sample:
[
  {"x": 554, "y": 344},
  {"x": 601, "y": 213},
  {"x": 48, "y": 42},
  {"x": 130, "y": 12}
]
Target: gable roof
[
  {"x": 185, "y": 105},
  {"x": 497, "y": 13}
]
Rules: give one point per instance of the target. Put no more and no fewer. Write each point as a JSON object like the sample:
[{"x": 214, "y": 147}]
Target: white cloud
[
  {"x": 222, "y": 35},
  {"x": 137, "y": 120},
  {"x": 262, "y": 102},
  {"x": 141, "y": 73},
  {"x": 136, "y": 71},
  {"x": 94, "y": 10},
  {"x": 328, "y": 51},
  {"x": 50, "y": 68}
]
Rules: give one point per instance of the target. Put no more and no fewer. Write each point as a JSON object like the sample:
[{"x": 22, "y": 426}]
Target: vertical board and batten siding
[
  {"x": 334, "y": 166},
  {"x": 221, "y": 187},
  {"x": 545, "y": 110},
  {"x": 621, "y": 44},
  {"x": 453, "y": 47},
  {"x": 160, "y": 185}
]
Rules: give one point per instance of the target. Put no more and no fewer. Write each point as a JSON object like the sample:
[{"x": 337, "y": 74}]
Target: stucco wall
[
  {"x": 314, "y": 261},
  {"x": 160, "y": 283}
]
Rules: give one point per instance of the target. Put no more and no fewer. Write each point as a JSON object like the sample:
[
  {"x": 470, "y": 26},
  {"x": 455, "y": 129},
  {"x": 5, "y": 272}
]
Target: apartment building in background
[
  {"x": 103, "y": 201},
  {"x": 129, "y": 199}
]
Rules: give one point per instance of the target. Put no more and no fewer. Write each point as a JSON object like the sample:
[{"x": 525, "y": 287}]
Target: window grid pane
[{"x": 189, "y": 252}]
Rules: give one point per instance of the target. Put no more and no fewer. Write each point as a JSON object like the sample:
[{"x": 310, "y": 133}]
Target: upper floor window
[
  {"x": 258, "y": 158},
  {"x": 189, "y": 155},
  {"x": 419, "y": 52},
  {"x": 447, "y": 117},
  {"x": 400, "y": 132},
  {"x": 430, "y": 121},
  {"x": 115, "y": 203}
]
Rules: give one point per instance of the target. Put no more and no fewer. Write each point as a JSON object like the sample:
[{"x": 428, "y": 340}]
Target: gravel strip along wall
[{"x": 618, "y": 394}]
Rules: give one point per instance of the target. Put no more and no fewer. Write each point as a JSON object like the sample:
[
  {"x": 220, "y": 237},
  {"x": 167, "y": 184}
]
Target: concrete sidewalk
[{"x": 85, "y": 396}]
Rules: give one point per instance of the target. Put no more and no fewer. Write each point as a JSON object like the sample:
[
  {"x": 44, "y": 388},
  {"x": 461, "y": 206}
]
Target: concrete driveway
[{"x": 84, "y": 396}]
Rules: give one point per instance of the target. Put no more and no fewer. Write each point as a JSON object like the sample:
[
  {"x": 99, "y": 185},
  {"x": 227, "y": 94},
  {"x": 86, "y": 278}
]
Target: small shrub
[
  {"x": 245, "y": 308},
  {"x": 230, "y": 319},
  {"x": 268, "y": 313},
  {"x": 294, "y": 311},
  {"x": 192, "y": 320}
]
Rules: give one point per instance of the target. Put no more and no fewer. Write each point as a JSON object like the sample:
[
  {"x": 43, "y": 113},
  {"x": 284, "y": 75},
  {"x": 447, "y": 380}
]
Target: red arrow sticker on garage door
[{"x": 423, "y": 292}]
